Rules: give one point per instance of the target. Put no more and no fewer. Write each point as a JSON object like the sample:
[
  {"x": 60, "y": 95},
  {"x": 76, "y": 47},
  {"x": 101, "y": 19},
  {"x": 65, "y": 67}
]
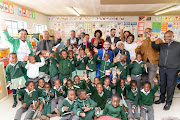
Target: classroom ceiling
[{"x": 99, "y": 7}]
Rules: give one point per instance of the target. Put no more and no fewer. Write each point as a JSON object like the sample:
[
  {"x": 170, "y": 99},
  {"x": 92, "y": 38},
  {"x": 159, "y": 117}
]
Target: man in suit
[
  {"x": 47, "y": 44},
  {"x": 112, "y": 38},
  {"x": 73, "y": 39},
  {"x": 101, "y": 53}
]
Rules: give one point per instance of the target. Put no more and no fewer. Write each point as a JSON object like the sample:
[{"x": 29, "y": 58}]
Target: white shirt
[
  {"x": 72, "y": 41},
  {"x": 112, "y": 39},
  {"x": 33, "y": 69},
  {"x": 23, "y": 50},
  {"x": 131, "y": 48},
  {"x": 80, "y": 41}
]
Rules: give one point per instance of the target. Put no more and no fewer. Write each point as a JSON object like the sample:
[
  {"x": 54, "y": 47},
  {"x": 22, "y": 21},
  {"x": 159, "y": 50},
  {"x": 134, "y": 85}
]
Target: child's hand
[
  {"x": 81, "y": 77},
  {"x": 85, "y": 75},
  {"x": 57, "y": 64},
  {"x": 87, "y": 68},
  {"x": 133, "y": 109},
  {"x": 86, "y": 108},
  {"x": 9, "y": 82},
  {"x": 54, "y": 49},
  {"x": 118, "y": 72},
  {"x": 128, "y": 79},
  {"x": 132, "y": 59},
  {"x": 64, "y": 81},
  {"x": 145, "y": 66},
  {"x": 114, "y": 59},
  {"x": 99, "y": 109},
  {"x": 142, "y": 107},
  {"x": 62, "y": 90},
  {"x": 82, "y": 114},
  {"x": 113, "y": 46},
  {"x": 114, "y": 81},
  {"x": 122, "y": 26},
  {"x": 95, "y": 50},
  {"x": 179, "y": 73},
  {"x": 23, "y": 105},
  {"x": 72, "y": 113},
  {"x": 44, "y": 76},
  {"x": 46, "y": 91},
  {"x": 65, "y": 108},
  {"x": 46, "y": 100},
  {"x": 155, "y": 80},
  {"x": 25, "y": 58}
]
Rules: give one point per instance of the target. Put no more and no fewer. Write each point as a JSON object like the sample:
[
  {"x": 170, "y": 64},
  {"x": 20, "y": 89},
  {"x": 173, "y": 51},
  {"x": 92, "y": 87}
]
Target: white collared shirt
[
  {"x": 146, "y": 93},
  {"x": 72, "y": 41},
  {"x": 112, "y": 39},
  {"x": 23, "y": 50}
]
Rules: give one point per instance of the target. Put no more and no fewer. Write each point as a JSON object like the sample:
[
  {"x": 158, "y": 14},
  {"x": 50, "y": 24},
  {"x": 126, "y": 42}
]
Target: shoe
[
  {"x": 159, "y": 101},
  {"x": 14, "y": 105},
  {"x": 167, "y": 107}
]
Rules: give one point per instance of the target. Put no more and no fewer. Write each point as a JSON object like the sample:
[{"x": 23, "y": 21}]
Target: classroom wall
[
  {"x": 39, "y": 18},
  {"x": 135, "y": 24}
]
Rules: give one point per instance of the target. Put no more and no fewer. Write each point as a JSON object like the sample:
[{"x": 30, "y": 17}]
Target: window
[{"x": 39, "y": 28}]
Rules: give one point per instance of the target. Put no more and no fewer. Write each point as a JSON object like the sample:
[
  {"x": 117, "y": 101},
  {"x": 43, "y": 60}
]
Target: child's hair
[
  {"x": 133, "y": 81},
  {"x": 81, "y": 50},
  {"x": 70, "y": 91},
  {"x": 40, "y": 79},
  {"x": 58, "y": 80},
  {"x": 70, "y": 51},
  {"x": 31, "y": 56},
  {"x": 47, "y": 84},
  {"x": 91, "y": 53},
  {"x": 10, "y": 54},
  {"x": 76, "y": 76},
  {"x": 131, "y": 35},
  {"x": 79, "y": 92},
  {"x": 99, "y": 84},
  {"x": 97, "y": 78},
  {"x": 86, "y": 34},
  {"x": 124, "y": 55},
  {"x": 69, "y": 80},
  {"x": 28, "y": 82},
  {"x": 115, "y": 95},
  {"x": 138, "y": 54},
  {"x": 63, "y": 50},
  {"x": 147, "y": 82},
  {"x": 122, "y": 79}
]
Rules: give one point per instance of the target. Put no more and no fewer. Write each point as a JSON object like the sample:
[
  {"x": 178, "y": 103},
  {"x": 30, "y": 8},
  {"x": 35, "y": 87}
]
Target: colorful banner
[
  {"x": 19, "y": 11},
  {"x": 11, "y": 9},
  {"x": 6, "y": 7},
  {"x": 1, "y": 5}
]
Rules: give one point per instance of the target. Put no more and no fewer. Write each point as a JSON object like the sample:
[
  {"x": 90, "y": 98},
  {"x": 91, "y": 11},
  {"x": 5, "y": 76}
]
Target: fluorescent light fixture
[
  {"x": 172, "y": 8},
  {"x": 75, "y": 11}
]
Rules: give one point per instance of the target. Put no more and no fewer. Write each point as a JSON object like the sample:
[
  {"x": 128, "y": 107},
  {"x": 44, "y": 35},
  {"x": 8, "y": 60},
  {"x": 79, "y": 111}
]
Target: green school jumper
[
  {"x": 66, "y": 103},
  {"x": 92, "y": 64},
  {"x": 105, "y": 65},
  {"x": 81, "y": 65},
  {"x": 44, "y": 69},
  {"x": 58, "y": 93},
  {"x": 65, "y": 70},
  {"x": 47, "y": 105},
  {"x": 147, "y": 98},
  {"x": 14, "y": 73},
  {"x": 73, "y": 66},
  {"x": 137, "y": 68},
  {"x": 124, "y": 68},
  {"x": 84, "y": 103},
  {"x": 117, "y": 112},
  {"x": 108, "y": 90},
  {"x": 53, "y": 69}
]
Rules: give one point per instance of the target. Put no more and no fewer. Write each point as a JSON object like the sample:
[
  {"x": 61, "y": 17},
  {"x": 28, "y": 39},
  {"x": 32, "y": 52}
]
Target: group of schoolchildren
[{"x": 65, "y": 84}]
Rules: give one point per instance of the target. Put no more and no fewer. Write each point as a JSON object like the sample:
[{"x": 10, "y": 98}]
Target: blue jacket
[{"x": 126, "y": 52}]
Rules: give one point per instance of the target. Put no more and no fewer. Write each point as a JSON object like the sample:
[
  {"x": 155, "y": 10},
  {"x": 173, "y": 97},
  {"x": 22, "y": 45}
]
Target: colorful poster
[
  {"x": 164, "y": 26},
  {"x": 79, "y": 28},
  {"x": 171, "y": 18},
  {"x": 27, "y": 13},
  {"x": 6, "y": 7},
  {"x": 11, "y": 9},
  {"x": 23, "y": 12},
  {"x": 148, "y": 18},
  {"x": 177, "y": 18},
  {"x": 158, "y": 18},
  {"x": 88, "y": 28},
  {"x": 33, "y": 14},
  {"x": 156, "y": 27},
  {"x": 140, "y": 31},
  {"x": 30, "y": 14},
  {"x": 148, "y": 25},
  {"x": 1, "y": 6},
  {"x": 19, "y": 11},
  {"x": 141, "y": 18},
  {"x": 165, "y": 18}
]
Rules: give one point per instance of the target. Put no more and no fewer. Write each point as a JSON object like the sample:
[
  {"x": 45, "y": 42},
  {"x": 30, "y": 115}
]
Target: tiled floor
[{"x": 8, "y": 113}]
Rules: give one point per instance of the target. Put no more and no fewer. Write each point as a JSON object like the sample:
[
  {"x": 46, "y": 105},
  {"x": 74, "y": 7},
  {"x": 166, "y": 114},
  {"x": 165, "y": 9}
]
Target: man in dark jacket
[
  {"x": 47, "y": 44},
  {"x": 169, "y": 64},
  {"x": 112, "y": 38}
]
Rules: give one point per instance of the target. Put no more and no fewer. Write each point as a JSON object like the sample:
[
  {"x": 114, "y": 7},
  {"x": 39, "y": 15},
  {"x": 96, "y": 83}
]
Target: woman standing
[{"x": 97, "y": 41}]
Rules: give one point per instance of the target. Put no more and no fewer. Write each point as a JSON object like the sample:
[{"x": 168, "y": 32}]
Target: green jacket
[
  {"x": 66, "y": 103},
  {"x": 105, "y": 65},
  {"x": 92, "y": 63},
  {"x": 16, "y": 42},
  {"x": 47, "y": 96},
  {"x": 108, "y": 90},
  {"x": 100, "y": 100},
  {"x": 53, "y": 69},
  {"x": 45, "y": 67},
  {"x": 58, "y": 93},
  {"x": 14, "y": 71},
  {"x": 117, "y": 112},
  {"x": 123, "y": 67},
  {"x": 83, "y": 103},
  {"x": 39, "y": 91},
  {"x": 64, "y": 65},
  {"x": 147, "y": 99},
  {"x": 81, "y": 63},
  {"x": 73, "y": 63},
  {"x": 137, "y": 68}
]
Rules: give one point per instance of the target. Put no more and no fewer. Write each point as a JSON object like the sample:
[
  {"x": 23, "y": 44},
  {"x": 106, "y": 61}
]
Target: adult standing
[
  {"x": 150, "y": 56},
  {"x": 73, "y": 39},
  {"x": 112, "y": 38},
  {"x": 82, "y": 35},
  {"x": 47, "y": 44},
  {"x": 169, "y": 64},
  {"x": 97, "y": 41}
]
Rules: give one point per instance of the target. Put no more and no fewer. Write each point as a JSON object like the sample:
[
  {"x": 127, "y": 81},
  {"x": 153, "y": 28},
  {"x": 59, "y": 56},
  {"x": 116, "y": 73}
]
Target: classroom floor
[{"x": 8, "y": 113}]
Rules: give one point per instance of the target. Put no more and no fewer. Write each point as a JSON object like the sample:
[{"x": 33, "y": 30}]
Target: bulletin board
[
  {"x": 3, "y": 89},
  {"x": 135, "y": 24}
]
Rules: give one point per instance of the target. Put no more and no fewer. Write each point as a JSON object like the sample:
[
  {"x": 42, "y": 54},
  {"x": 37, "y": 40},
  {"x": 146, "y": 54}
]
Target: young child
[
  {"x": 78, "y": 82},
  {"x": 114, "y": 109},
  {"x": 122, "y": 66},
  {"x": 99, "y": 97},
  {"x": 73, "y": 60},
  {"x": 146, "y": 96},
  {"x": 67, "y": 45},
  {"x": 59, "y": 93},
  {"x": 65, "y": 70},
  {"x": 66, "y": 108},
  {"x": 30, "y": 99},
  {"x": 132, "y": 99},
  {"x": 105, "y": 67},
  {"x": 33, "y": 69},
  {"x": 86, "y": 43},
  {"x": 91, "y": 66},
  {"x": 48, "y": 95},
  {"x": 84, "y": 106},
  {"x": 137, "y": 68},
  {"x": 14, "y": 75},
  {"x": 44, "y": 70},
  {"x": 53, "y": 69},
  {"x": 82, "y": 60}
]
